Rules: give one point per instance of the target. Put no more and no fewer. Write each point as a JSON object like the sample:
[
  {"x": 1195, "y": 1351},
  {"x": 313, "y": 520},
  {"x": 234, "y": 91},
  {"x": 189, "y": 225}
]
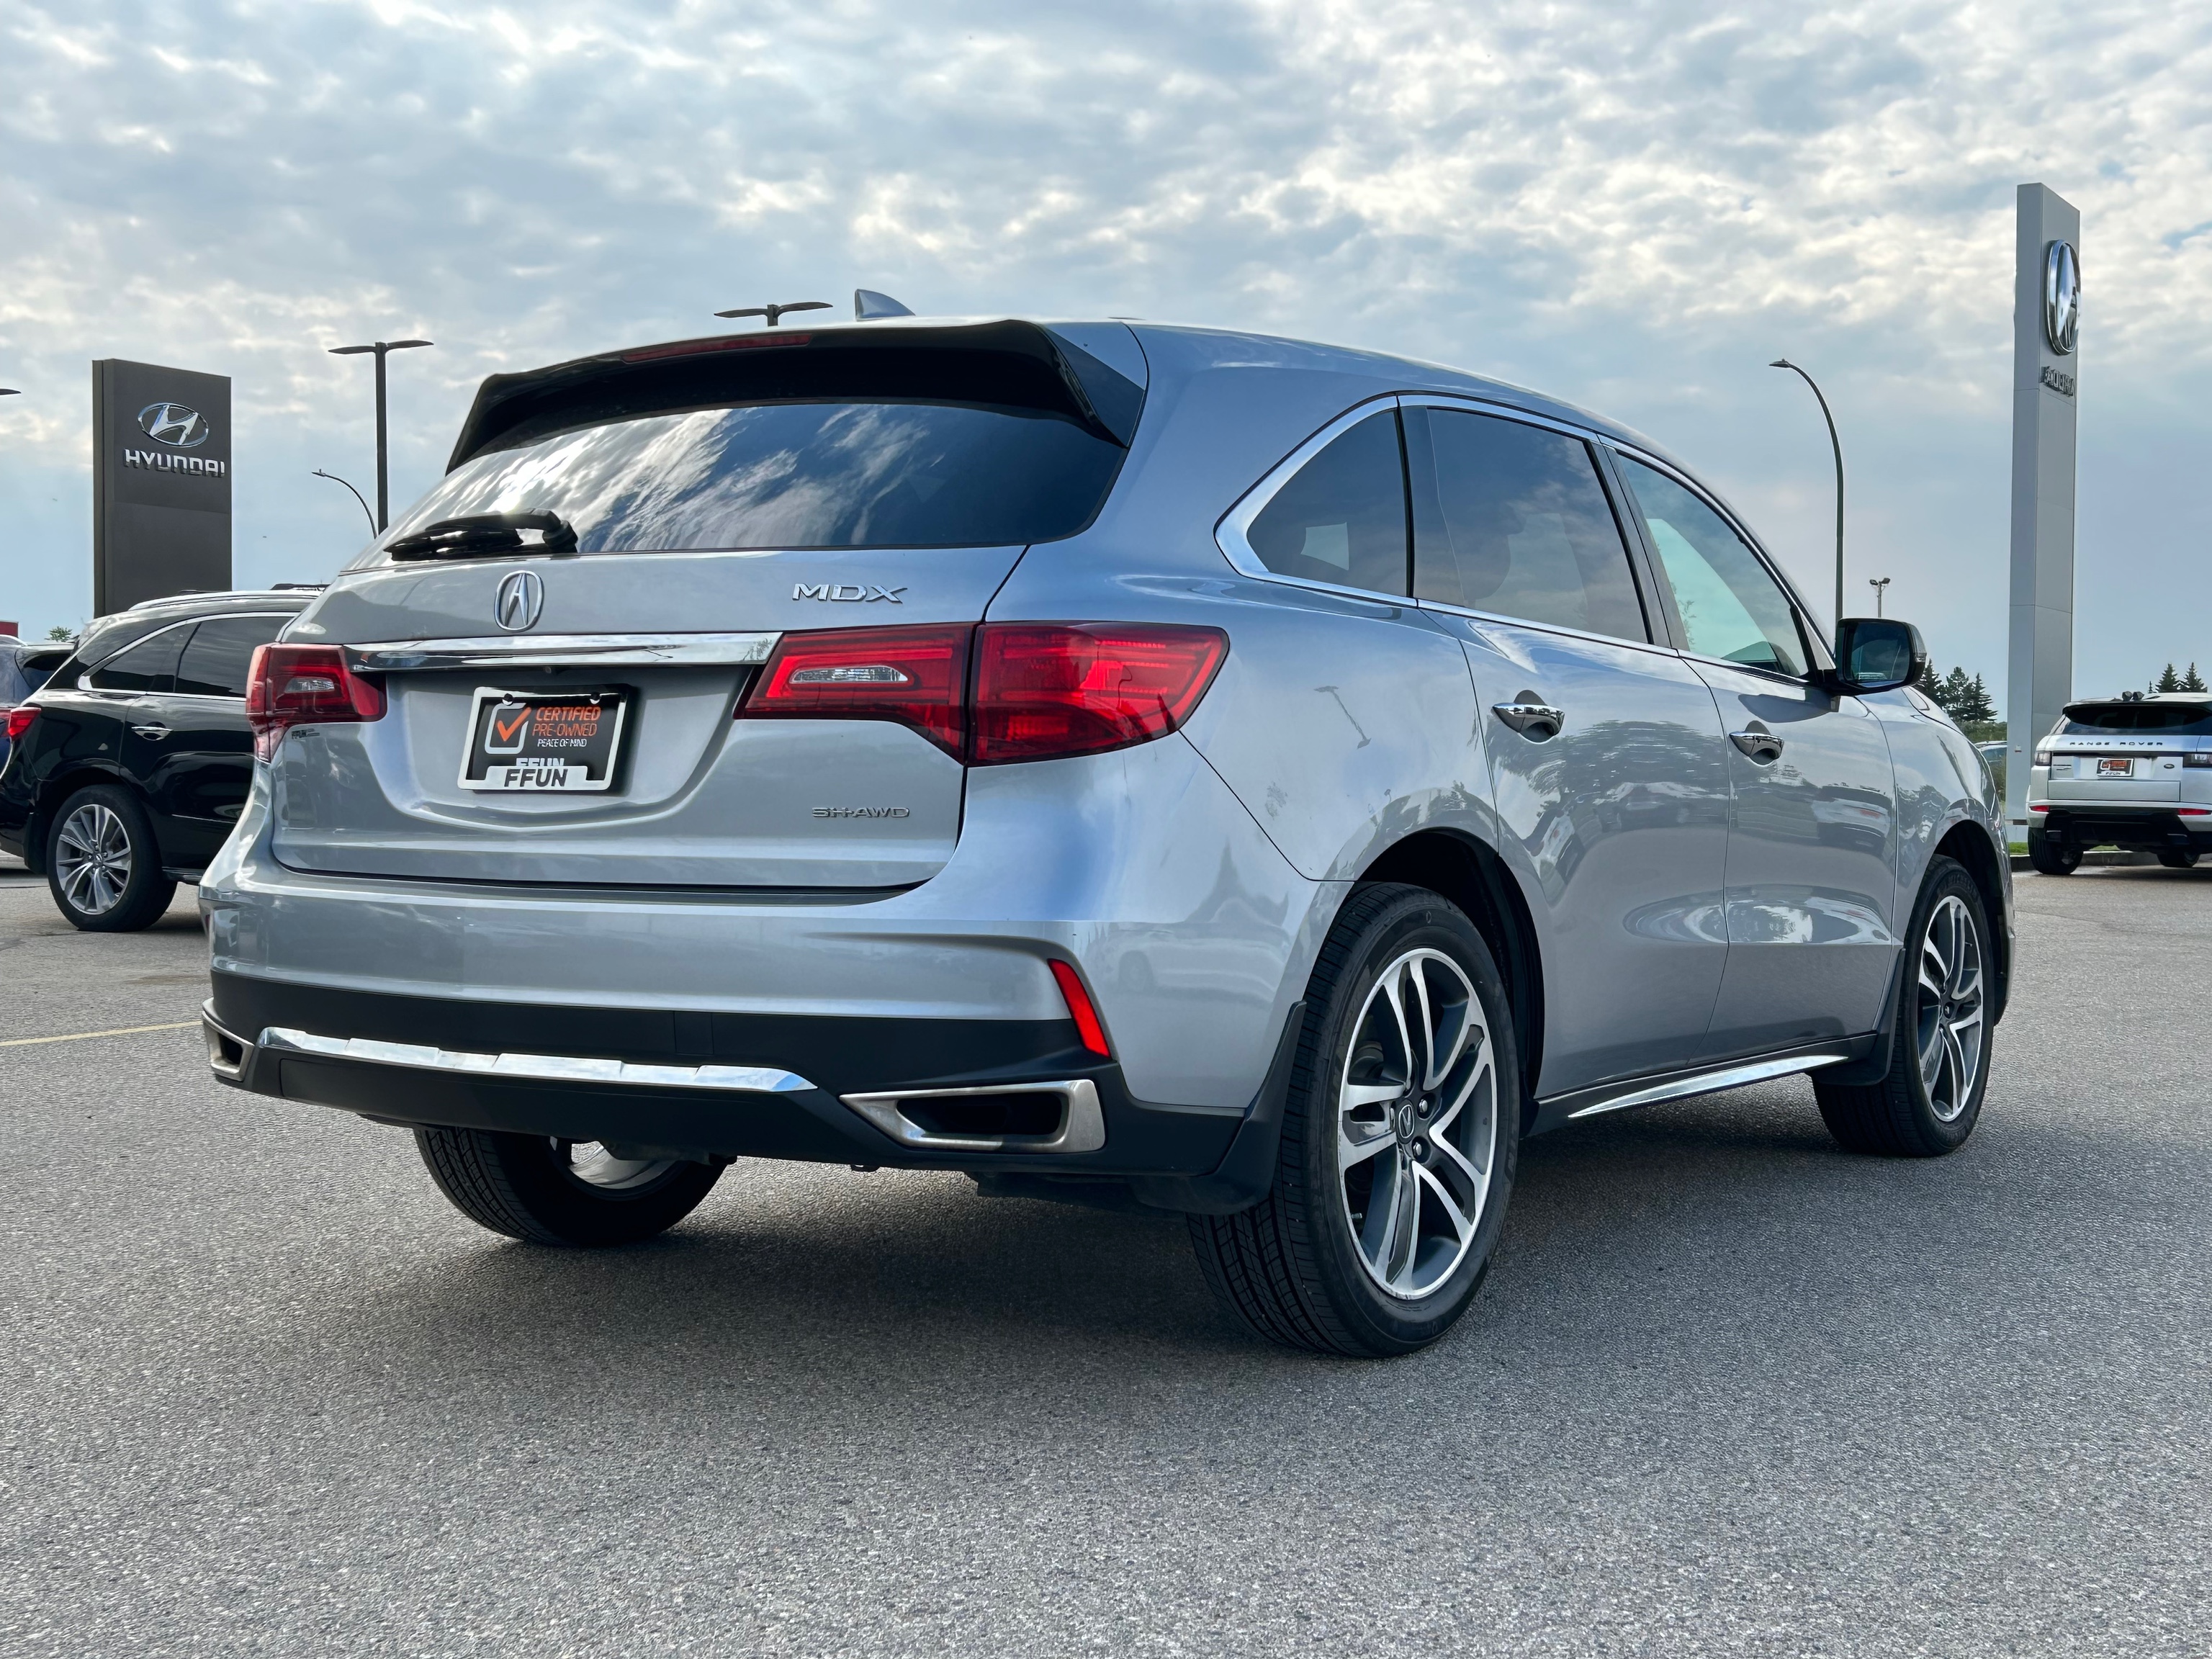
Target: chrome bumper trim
[
  {"x": 1082, "y": 1123},
  {"x": 1704, "y": 1082},
  {"x": 563, "y": 651},
  {"x": 540, "y": 1068}
]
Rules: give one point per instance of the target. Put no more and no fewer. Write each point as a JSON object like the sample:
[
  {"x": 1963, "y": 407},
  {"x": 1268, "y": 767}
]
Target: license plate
[
  {"x": 543, "y": 742},
  {"x": 2116, "y": 769}
]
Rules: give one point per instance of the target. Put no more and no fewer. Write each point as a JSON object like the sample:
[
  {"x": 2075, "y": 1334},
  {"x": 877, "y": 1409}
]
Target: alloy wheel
[
  {"x": 1417, "y": 1124},
  {"x": 92, "y": 859},
  {"x": 595, "y": 1166},
  {"x": 1951, "y": 1024}
]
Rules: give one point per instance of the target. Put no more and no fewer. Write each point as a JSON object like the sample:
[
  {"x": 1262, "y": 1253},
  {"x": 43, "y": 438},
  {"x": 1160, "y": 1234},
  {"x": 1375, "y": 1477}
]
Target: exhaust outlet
[{"x": 1006, "y": 1117}]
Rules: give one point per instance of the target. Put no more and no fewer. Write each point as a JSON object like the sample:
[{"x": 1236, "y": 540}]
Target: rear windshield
[
  {"x": 798, "y": 475},
  {"x": 2180, "y": 719}
]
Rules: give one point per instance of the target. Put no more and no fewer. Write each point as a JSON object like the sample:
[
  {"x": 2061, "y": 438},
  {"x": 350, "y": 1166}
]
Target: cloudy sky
[{"x": 1634, "y": 206}]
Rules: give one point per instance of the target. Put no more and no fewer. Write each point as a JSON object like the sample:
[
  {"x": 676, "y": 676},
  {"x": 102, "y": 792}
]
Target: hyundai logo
[
  {"x": 178, "y": 425},
  {"x": 521, "y": 598},
  {"x": 2062, "y": 297}
]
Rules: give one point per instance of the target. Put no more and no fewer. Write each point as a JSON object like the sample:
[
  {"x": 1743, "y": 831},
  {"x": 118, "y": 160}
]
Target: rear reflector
[
  {"x": 917, "y": 676},
  {"x": 294, "y": 685},
  {"x": 19, "y": 720},
  {"x": 2033, "y": 807},
  {"x": 2196, "y": 812},
  {"x": 1037, "y": 691},
  {"x": 1087, "y": 1026}
]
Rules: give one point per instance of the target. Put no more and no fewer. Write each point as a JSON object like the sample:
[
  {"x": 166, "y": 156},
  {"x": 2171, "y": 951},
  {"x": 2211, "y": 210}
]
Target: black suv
[{"x": 131, "y": 764}]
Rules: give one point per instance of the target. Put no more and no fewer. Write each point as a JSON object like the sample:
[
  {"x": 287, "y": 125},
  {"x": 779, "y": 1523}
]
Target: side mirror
[{"x": 1878, "y": 653}]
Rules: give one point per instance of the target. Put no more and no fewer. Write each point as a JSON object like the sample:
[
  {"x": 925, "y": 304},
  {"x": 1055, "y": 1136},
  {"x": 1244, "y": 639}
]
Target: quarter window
[
  {"x": 1342, "y": 518},
  {"x": 221, "y": 651},
  {"x": 1731, "y": 606},
  {"x": 1520, "y": 526},
  {"x": 148, "y": 666}
]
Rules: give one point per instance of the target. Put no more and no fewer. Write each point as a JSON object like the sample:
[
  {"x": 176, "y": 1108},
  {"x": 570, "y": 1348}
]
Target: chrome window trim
[
  {"x": 1232, "y": 534},
  {"x": 84, "y": 676},
  {"x": 1773, "y": 568},
  {"x": 1566, "y": 428},
  {"x": 547, "y": 1068},
  {"x": 563, "y": 651}
]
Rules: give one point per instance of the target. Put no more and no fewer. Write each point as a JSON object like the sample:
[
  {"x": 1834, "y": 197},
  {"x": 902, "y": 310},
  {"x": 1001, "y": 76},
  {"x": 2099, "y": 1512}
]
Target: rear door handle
[
  {"x": 1756, "y": 741},
  {"x": 1533, "y": 719},
  {"x": 153, "y": 729}
]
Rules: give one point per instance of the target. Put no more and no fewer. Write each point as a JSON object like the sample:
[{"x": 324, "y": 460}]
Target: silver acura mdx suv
[{"x": 1141, "y": 765}]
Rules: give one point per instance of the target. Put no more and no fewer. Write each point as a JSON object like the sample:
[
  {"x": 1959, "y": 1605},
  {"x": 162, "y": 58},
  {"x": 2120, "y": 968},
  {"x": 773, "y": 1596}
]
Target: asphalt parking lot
[{"x": 1727, "y": 1390}]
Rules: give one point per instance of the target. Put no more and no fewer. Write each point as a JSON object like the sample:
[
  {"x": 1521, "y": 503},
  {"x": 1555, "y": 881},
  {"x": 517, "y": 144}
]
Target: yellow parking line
[{"x": 79, "y": 1036}]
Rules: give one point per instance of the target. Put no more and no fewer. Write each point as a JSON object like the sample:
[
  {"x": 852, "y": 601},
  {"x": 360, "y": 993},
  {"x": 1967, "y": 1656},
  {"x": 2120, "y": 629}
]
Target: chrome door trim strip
[
  {"x": 563, "y": 651},
  {"x": 1082, "y": 1128},
  {"x": 544, "y": 1069},
  {"x": 1704, "y": 1083}
]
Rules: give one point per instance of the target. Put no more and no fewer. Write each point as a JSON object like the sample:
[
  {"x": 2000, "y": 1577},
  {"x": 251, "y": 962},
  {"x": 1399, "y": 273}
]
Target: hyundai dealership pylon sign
[
  {"x": 2046, "y": 325},
  {"x": 160, "y": 484}
]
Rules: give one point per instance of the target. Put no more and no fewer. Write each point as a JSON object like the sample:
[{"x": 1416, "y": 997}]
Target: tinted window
[
  {"x": 222, "y": 650},
  {"x": 799, "y": 475},
  {"x": 1520, "y": 527},
  {"x": 148, "y": 666},
  {"x": 2188, "y": 719},
  {"x": 1731, "y": 607},
  {"x": 15, "y": 683},
  {"x": 1342, "y": 518}
]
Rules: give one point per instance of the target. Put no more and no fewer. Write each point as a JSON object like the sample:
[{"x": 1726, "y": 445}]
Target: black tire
[
  {"x": 2050, "y": 860},
  {"x": 103, "y": 864},
  {"x": 1910, "y": 1114},
  {"x": 2173, "y": 860},
  {"x": 1292, "y": 1268},
  {"x": 528, "y": 1187}
]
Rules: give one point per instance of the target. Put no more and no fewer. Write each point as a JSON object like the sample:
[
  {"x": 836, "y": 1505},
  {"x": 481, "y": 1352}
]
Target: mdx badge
[
  {"x": 845, "y": 593},
  {"x": 521, "y": 598}
]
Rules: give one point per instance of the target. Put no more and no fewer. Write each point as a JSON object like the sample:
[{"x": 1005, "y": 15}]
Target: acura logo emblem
[
  {"x": 2062, "y": 297},
  {"x": 521, "y": 597},
  {"x": 178, "y": 425}
]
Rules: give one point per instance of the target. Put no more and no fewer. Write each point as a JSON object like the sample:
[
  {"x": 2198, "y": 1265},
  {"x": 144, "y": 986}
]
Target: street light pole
[
  {"x": 1837, "y": 444},
  {"x": 383, "y": 470},
  {"x": 1877, "y": 583}
]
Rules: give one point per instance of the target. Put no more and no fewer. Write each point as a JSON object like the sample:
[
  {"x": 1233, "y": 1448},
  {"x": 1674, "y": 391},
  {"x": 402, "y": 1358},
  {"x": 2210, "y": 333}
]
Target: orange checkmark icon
[{"x": 504, "y": 730}]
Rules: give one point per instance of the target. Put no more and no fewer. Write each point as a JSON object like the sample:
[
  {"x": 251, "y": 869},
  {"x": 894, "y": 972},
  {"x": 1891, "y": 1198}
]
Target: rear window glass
[
  {"x": 2187, "y": 719},
  {"x": 798, "y": 475},
  {"x": 148, "y": 666}
]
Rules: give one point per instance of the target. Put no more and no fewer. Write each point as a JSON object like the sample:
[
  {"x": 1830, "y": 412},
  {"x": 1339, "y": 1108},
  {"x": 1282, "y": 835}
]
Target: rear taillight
[
  {"x": 304, "y": 685},
  {"x": 917, "y": 676},
  {"x": 1034, "y": 691},
  {"x": 1048, "y": 689},
  {"x": 19, "y": 719}
]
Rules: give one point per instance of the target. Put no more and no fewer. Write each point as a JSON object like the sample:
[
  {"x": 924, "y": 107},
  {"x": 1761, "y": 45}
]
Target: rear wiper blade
[{"x": 486, "y": 534}]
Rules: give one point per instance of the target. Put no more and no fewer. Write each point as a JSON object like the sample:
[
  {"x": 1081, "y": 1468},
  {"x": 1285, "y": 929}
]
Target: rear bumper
[
  {"x": 822, "y": 1089},
  {"x": 2071, "y": 825}
]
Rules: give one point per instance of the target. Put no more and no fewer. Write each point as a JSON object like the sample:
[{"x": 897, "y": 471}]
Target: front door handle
[
  {"x": 1756, "y": 741},
  {"x": 153, "y": 729},
  {"x": 1532, "y": 718}
]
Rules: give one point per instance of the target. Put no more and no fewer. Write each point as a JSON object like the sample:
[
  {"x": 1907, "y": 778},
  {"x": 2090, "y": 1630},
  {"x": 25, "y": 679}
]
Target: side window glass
[
  {"x": 1342, "y": 518},
  {"x": 148, "y": 666},
  {"x": 1523, "y": 527},
  {"x": 215, "y": 663},
  {"x": 1731, "y": 608}
]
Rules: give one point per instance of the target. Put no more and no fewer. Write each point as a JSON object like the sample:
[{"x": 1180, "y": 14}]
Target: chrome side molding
[
  {"x": 1082, "y": 1124},
  {"x": 1705, "y": 1083},
  {"x": 544, "y": 1068},
  {"x": 562, "y": 651}
]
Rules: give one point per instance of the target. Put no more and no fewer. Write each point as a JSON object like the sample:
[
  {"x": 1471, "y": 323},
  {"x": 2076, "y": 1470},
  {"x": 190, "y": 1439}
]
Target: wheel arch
[
  {"x": 53, "y": 792},
  {"x": 1969, "y": 844},
  {"x": 1459, "y": 867}
]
